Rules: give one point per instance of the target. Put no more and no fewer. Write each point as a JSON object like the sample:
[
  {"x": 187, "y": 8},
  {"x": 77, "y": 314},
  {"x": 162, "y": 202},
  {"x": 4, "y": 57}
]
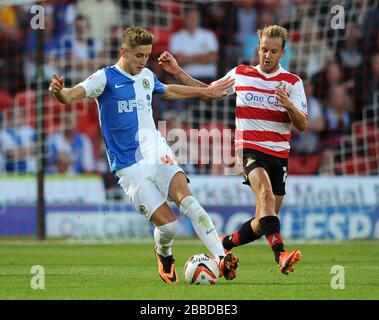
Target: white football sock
[
  {"x": 203, "y": 225},
  {"x": 164, "y": 237}
]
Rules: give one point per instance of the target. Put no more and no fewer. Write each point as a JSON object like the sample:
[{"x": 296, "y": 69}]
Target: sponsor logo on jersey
[
  {"x": 132, "y": 104},
  {"x": 251, "y": 97},
  {"x": 248, "y": 69}
]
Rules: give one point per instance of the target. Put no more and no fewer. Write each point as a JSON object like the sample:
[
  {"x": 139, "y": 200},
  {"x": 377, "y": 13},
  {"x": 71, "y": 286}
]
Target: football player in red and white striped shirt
[{"x": 269, "y": 101}]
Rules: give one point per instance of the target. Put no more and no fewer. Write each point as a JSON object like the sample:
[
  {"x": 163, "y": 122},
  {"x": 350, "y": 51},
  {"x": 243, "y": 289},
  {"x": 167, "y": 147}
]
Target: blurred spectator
[
  {"x": 101, "y": 16},
  {"x": 51, "y": 50},
  {"x": 330, "y": 76},
  {"x": 370, "y": 27},
  {"x": 337, "y": 116},
  {"x": 307, "y": 142},
  {"x": 373, "y": 81},
  {"x": 82, "y": 52},
  {"x": 311, "y": 50},
  {"x": 8, "y": 21},
  {"x": 64, "y": 18},
  {"x": 286, "y": 12},
  {"x": 247, "y": 20},
  {"x": 17, "y": 141},
  {"x": 215, "y": 14},
  {"x": 115, "y": 42},
  {"x": 69, "y": 150},
  {"x": 195, "y": 48},
  {"x": 6, "y": 102},
  {"x": 348, "y": 53},
  {"x": 366, "y": 87},
  {"x": 10, "y": 51}
]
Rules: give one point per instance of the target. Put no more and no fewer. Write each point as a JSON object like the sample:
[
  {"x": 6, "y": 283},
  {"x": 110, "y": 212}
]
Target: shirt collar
[
  {"x": 125, "y": 73},
  {"x": 269, "y": 75}
]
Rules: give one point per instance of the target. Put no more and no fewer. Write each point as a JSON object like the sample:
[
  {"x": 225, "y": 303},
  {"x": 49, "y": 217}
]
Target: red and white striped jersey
[{"x": 259, "y": 124}]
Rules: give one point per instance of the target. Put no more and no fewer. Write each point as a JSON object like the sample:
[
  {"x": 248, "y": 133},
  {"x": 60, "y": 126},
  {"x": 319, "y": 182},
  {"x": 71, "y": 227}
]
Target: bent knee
[{"x": 169, "y": 229}]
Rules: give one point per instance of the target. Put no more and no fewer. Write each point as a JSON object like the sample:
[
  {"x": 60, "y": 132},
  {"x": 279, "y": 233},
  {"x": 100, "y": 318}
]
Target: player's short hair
[
  {"x": 136, "y": 36},
  {"x": 273, "y": 31}
]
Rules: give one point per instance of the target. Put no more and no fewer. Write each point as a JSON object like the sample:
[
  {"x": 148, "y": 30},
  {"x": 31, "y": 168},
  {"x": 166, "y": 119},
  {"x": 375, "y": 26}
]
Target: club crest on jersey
[
  {"x": 279, "y": 86},
  {"x": 146, "y": 83}
]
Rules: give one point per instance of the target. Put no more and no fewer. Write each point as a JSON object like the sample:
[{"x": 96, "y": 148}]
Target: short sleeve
[
  {"x": 94, "y": 85},
  {"x": 158, "y": 86},
  {"x": 298, "y": 97},
  {"x": 232, "y": 75}
]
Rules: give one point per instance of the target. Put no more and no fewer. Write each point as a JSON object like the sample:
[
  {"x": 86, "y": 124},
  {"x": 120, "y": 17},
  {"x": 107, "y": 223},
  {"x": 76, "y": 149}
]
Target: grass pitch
[{"x": 129, "y": 271}]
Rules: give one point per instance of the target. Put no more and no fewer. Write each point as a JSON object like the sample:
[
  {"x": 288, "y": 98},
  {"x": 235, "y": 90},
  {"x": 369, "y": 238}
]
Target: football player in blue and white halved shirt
[{"x": 137, "y": 153}]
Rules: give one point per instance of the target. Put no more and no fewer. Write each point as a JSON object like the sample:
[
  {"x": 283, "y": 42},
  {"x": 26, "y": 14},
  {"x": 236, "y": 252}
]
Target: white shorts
[{"x": 146, "y": 185}]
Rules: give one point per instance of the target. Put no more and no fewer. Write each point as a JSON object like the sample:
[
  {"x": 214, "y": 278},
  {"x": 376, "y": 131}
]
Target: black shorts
[{"x": 275, "y": 167}]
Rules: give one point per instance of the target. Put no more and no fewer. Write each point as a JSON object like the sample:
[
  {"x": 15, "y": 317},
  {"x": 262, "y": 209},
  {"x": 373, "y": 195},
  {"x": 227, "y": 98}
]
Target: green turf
[{"x": 128, "y": 271}]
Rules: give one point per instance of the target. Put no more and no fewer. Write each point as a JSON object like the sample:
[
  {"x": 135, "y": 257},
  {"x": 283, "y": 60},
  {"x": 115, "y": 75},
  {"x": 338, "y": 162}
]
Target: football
[{"x": 201, "y": 269}]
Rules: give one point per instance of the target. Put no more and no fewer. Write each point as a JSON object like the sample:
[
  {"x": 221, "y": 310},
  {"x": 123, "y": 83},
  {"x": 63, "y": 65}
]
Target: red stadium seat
[
  {"x": 357, "y": 165},
  {"x": 6, "y": 100},
  {"x": 312, "y": 164},
  {"x": 295, "y": 165},
  {"x": 27, "y": 98},
  {"x": 304, "y": 165},
  {"x": 162, "y": 38},
  {"x": 174, "y": 13}
]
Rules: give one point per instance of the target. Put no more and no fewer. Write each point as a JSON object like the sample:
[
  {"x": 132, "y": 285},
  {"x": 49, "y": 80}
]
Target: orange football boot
[
  {"x": 287, "y": 261},
  {"x": 228, "y": 265},
  {"x": 166, "y": 268}
]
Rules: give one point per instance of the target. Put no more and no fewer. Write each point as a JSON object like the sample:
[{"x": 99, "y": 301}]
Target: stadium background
[{"x": 333, "y": 185}]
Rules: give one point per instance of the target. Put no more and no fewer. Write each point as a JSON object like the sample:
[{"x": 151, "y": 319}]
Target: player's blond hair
[
  {"x": 136, "y": 36},
  {"x": 273, "y": 31}
]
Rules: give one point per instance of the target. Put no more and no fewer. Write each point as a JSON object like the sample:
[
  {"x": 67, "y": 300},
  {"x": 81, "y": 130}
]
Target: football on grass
[{"x": 201, "y": 269}]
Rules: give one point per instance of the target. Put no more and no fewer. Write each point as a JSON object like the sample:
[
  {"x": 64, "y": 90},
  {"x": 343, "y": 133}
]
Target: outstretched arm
[
  {"x": 214, "y": 91},
  {"x": 170, "y": 65},
  {"x": 65, "y": 95}
]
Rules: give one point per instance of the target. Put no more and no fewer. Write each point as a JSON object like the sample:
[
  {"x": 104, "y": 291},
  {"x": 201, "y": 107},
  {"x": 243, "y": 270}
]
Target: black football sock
[
  {"x": 243, "y": 235},
  {"x": 270, "y": 227}
]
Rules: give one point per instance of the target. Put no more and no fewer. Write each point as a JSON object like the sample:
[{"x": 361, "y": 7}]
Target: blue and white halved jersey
[{"x": 125, "y": 115}]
